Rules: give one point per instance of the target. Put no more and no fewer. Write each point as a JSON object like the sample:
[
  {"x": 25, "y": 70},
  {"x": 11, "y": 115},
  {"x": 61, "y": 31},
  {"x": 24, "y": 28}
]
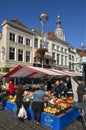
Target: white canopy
[
  {"x": 66, "y": 72},
  {"x": 32, "y": 72}
]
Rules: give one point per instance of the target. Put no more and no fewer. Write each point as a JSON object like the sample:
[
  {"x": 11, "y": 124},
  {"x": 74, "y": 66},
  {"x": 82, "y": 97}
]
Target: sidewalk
[{"x": 9, "y": 121}]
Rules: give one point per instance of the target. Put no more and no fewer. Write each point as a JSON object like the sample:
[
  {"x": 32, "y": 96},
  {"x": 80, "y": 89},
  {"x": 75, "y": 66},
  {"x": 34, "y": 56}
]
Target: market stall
[
  {"x": 58, "y": 122},
  {"x": 59, "y": 112}
]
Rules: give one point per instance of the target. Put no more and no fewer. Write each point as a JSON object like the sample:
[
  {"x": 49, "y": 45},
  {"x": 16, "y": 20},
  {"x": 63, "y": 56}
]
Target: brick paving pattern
[{"x": 9, "y": 121}]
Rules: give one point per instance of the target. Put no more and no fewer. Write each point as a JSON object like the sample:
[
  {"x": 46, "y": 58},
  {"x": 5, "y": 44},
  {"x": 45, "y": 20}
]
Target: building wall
[{"x": 56, "y": 46}]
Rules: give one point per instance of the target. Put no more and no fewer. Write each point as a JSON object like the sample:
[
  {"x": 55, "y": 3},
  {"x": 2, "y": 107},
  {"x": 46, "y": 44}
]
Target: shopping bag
[{"x": 22, "y": 113}]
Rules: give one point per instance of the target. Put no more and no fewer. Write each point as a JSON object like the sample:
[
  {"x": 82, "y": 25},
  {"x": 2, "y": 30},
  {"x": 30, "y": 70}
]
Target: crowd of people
[{"x": 59, "y": 89}]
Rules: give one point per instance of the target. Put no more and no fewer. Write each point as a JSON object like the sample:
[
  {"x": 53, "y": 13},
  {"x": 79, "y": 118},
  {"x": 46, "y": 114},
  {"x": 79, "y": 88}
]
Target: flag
[{"x": 45, "y": 40}]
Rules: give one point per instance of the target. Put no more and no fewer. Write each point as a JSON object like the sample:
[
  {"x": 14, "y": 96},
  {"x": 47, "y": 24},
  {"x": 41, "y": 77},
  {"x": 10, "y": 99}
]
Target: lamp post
[{"x": 43, "y": 18}]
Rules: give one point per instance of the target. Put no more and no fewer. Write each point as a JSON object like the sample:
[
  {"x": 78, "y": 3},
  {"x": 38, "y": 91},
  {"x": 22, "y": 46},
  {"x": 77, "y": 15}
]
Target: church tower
[{"x": 59, "y": 30}]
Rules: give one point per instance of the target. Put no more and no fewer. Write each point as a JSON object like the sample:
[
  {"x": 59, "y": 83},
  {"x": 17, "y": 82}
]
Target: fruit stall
[{"x": 58, "y": 112}]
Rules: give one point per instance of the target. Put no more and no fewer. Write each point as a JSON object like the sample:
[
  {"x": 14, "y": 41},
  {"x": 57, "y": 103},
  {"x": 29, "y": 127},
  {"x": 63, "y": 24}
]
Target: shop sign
[{"x": 49, "y": 121}]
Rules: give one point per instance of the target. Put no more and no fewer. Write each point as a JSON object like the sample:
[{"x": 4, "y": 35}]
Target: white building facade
[{"x": 20, "y": 44}]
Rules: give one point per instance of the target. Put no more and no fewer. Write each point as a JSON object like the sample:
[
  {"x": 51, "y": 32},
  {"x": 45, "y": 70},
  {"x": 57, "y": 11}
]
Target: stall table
[
  {"x": 10, "y": 106},
  {"x": 54, "y": 122}
]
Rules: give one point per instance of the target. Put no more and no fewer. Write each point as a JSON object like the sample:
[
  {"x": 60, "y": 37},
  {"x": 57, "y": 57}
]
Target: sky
[{"x": 72, "y": 13}]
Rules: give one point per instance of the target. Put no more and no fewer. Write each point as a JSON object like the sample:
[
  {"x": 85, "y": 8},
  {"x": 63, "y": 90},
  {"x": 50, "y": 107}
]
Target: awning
[
  {"x": 2, "y": 73},
  {"x": 31, "y": 72},
  {"x": 67, "y": 73},
  {"x": 73, "y": 73}
]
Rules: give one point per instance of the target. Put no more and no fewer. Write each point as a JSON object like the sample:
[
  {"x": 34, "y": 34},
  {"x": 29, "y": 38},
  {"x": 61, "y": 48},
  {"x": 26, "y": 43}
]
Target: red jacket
[{"x": 11, "y": 88}]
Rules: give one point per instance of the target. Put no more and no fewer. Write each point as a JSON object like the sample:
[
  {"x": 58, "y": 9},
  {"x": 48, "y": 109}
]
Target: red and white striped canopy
[
  {"x": 66, "y": 72},
  {"x": 37, "y": 72},
  {"x": 31, "y": 72}
]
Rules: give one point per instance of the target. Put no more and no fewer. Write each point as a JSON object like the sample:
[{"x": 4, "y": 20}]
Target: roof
[
  {"x": 17, "y": 24},
  {"x": 17, "y": 21},
  {"x": 81, "y": 53}
]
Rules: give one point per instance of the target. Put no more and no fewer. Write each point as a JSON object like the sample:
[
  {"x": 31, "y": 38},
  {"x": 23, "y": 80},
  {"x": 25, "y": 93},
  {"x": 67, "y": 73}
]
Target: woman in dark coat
[
  {"x": 81, "y": 90},
  {"x": 19, "y": 97}
]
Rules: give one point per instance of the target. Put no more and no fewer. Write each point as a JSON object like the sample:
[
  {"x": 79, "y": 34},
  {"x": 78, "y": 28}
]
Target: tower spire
[
  {"x": 59, "y": 30},
  {"x": 58, "y": 22}
]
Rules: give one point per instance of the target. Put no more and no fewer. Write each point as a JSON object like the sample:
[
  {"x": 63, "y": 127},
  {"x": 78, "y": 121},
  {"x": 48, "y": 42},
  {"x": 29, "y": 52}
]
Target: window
[
  {"x": 27, "y": 41},
  {"x": 40, "y": 43},
  {"x": 72, "y": 58},
  {"x": 61, "y": 49},
  {"x": 20, "y": 55},
  {"x": 58, "y": 59},
  {"x": 65, "y": 50},
  {"x": 27, "y": 56},
  {"x": 53, "y": 46},
  {"x": 69, "y": 65},
  {"x": 58, "y": 48},
  {"x": 53, "y": 55},
  {"x": 36, "y": 42},
  {"x": 61, "y": 59},
  {"x": 20, "y": 39},
  {"x": 69, "y": 57},
  {"x": 12, "y": 37},
  {"x": 66, "y": 60},
  {"x": 12, "y": 53}
]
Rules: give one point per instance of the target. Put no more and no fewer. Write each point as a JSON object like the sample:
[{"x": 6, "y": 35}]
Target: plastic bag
[{"x": 22, "y": 113}]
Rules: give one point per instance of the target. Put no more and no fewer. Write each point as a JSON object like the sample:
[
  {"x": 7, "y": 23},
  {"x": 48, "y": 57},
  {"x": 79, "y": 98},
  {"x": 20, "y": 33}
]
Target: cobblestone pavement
[
  {"x": 76, "y": 125},
  {"x": 9, "y": 121}
]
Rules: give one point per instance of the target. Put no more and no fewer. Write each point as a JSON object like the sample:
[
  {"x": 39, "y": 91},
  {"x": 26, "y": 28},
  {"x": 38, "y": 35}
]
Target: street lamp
[{"x": 43, "y": 18}]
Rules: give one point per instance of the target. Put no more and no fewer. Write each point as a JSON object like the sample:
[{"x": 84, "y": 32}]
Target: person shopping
[
  {"x": 38, "y": 104},
  {"x": 81, "y": 90},
  {"x": 11, "y": 88},
  {"x": 19, "y": 98}
]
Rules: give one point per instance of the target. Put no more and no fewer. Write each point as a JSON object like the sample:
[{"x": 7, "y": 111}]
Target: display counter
[
  {"x": 55, "y": 122},
  {"x": 58, "y": 122},
  {"x": 10, "y": 106}
]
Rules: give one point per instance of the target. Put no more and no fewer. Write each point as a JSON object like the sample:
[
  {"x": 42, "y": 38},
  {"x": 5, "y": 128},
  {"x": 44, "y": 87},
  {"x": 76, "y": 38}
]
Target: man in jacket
[{"x": 81, "y": 90}]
